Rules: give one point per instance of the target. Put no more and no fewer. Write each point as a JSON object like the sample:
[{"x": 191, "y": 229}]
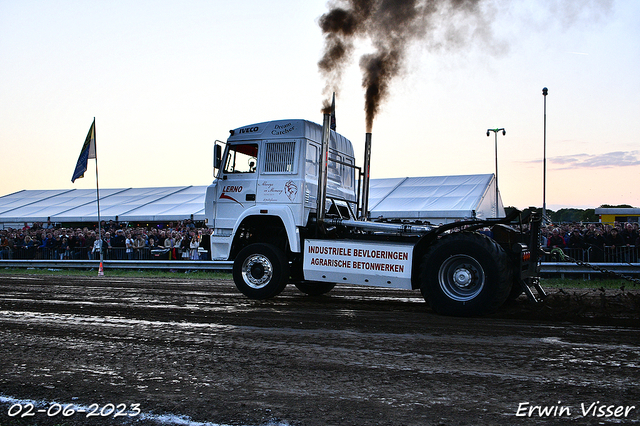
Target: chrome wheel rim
[
  {"x": 257, "y": 271},
  {"x": 461, "y": 278}
]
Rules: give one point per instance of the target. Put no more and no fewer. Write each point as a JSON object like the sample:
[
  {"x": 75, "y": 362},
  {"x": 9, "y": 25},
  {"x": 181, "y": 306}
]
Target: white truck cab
[{"x": 269, "y": 174}]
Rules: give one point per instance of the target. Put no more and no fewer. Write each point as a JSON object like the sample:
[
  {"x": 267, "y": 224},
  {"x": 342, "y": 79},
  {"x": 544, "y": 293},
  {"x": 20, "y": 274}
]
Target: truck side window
[
  {"x": 241, "y": 159},
  {"x": 312, "y": 160},
  {"x": 333, "y": 172},
  {"x": 348, "y": 173}
]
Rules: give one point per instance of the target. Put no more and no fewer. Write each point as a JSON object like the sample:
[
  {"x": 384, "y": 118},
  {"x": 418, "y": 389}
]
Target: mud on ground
[{"x": 358, "y": 356}]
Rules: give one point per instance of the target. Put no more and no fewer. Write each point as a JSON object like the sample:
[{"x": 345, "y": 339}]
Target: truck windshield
[{"x": 242, "y": 159}]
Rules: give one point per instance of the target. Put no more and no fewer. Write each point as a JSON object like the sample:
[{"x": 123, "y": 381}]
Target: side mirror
[{"x": 217, "y": 156}]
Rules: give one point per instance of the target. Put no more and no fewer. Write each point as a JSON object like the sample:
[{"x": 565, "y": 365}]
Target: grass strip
[{"x": 595, "y": 282}]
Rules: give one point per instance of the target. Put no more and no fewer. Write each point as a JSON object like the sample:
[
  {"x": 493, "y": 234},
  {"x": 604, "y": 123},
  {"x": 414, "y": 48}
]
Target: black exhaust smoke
[{"x": 391, "y": 26}]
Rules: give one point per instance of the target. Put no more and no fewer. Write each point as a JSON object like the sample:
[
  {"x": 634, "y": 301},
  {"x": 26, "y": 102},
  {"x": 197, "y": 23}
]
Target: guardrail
[
  {"x": 182, "y": 265},
  {"x": 208, "y": 265}
]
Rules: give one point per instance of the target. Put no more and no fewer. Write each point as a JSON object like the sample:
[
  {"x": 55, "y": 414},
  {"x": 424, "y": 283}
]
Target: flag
[
  {"x": 333, "y": 112},
  {"x": 88, "y": 151}
]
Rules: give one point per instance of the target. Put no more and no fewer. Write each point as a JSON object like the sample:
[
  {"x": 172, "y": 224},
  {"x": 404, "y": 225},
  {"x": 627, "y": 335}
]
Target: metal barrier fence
[
  {"x": 85, "y": 253},
  {"x": 609, "y": 254},
  {"x": 628, "y": 254}
]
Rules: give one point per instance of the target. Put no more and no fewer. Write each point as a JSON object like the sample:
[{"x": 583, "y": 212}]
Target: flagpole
[{"x": 100, "y": 269}]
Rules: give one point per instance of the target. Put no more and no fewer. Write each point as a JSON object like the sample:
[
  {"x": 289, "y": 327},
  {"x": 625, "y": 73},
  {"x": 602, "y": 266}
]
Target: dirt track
[{"x": 355, "y": 357}]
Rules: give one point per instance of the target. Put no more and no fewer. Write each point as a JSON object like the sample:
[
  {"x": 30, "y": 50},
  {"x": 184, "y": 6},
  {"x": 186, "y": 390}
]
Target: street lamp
[
  {"x": 495, "y": 131},
  {"x": 544, "y": 158}
]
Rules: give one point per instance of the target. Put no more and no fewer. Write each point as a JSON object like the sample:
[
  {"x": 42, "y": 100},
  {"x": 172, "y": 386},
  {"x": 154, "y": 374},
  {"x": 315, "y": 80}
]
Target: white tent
[
  {"x": 125, "y": 205},
  {"x": 437, "y": 199},
  {"x": 440, "y": 199}
]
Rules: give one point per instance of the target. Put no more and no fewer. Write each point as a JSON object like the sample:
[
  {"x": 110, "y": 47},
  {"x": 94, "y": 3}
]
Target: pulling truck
[{"x": 289, "y": 205}]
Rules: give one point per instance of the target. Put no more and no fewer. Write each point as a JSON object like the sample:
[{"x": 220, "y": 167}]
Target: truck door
[{"x": 237, "y": 187}]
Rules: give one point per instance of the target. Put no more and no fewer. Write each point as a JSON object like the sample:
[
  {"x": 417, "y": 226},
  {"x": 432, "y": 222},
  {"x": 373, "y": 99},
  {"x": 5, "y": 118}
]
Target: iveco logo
[{"x": 248, "y": 130}]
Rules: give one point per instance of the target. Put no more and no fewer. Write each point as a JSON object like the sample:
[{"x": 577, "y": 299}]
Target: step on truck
[{"x": 289, "y": 205}]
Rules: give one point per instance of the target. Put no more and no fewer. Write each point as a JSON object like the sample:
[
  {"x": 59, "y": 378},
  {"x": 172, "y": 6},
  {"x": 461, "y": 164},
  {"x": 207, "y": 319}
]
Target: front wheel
[
  {"x": 465, "y": 274},
  {"x": 260, "y": 271}
]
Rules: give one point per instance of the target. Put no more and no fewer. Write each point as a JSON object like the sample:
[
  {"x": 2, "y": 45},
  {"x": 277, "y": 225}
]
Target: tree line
[{"x": 572, "y": 214}]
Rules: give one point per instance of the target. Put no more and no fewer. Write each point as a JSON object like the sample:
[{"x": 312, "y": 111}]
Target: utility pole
[
  {"x": 544, "y": 158},
  {"x": 495, "y": 131}
]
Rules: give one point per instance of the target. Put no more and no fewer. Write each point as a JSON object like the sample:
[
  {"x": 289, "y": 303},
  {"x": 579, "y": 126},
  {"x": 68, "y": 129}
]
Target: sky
[{"x": 166, "y": 79}]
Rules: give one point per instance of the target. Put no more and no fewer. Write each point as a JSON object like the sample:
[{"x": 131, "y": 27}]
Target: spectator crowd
[
  {"x": 594, "y": 242},
  {"x": 182, "y": 240}
]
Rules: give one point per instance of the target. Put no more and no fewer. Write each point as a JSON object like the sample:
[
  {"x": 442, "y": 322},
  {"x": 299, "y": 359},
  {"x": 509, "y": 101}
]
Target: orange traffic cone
[{"x": 100, "y": 271}]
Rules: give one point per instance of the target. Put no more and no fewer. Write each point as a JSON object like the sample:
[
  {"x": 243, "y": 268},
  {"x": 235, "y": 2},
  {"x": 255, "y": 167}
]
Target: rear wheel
[
  {"x": 315, "y": 288},
  {"x": 260, "y": 271},
  {"x": 465, "y": 274}
]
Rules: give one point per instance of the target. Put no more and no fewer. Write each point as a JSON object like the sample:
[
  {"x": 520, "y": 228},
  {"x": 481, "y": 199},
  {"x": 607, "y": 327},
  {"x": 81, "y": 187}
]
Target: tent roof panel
[
  {"x": 433, "y": 197},
  {"x": 51, "y": 204},
  {"x": 24, "y": 197}
]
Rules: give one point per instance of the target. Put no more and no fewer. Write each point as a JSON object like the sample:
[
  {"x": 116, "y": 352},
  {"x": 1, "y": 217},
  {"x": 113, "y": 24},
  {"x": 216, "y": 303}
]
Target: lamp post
[
  {"x": 495, "y": 131},
  {"x": 544, "y": 157}
]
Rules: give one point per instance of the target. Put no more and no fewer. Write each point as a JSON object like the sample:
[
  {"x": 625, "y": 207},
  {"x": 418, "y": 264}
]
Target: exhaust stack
[
  {"x": 365, "y": 180},
  {"x": 324, "y": 164}
]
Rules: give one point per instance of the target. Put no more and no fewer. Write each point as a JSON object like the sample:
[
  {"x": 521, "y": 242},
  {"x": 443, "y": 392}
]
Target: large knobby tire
[
  {"x": 315, "y": 288},
  {"x": 465, "y": 274},
  {"x": 260, "y": 271}
]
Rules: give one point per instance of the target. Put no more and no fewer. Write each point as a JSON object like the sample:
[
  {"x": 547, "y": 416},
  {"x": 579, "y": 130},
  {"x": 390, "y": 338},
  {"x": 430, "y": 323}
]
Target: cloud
[{"x": 587, "y": 161}]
